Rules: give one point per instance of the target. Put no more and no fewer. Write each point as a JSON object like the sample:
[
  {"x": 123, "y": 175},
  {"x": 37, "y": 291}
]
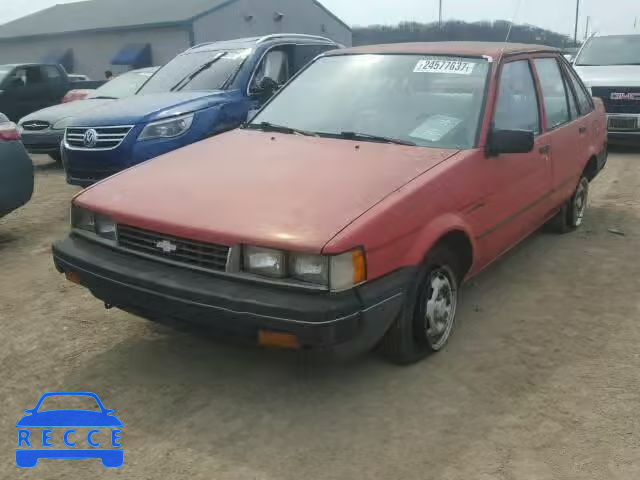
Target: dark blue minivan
[{"x": 208, "y": 89}]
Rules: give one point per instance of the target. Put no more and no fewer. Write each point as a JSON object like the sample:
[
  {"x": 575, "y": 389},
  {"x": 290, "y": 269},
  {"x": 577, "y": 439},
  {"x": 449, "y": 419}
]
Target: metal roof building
[{"x": 92, "y": 36}]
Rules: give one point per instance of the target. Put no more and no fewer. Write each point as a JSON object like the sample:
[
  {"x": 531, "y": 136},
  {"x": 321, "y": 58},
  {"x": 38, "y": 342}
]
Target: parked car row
[
  {"x": 345, "y": 214},
  {"x": 43, "y": 131}
]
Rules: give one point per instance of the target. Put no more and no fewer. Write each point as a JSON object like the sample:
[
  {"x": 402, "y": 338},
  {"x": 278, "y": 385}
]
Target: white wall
[
  {"x": 300, "y": 16},
  {"x": 93, "y": 52}
]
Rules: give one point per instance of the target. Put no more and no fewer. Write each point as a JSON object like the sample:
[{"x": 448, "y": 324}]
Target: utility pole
[
  {"x": 586, "y": 31},
  {"x": 440, "y": 16},
  {"x": 575, "y": 37}
]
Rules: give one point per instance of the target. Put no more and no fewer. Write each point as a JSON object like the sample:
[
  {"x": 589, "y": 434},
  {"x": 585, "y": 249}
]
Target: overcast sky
[{"x": 610, "y": 16}]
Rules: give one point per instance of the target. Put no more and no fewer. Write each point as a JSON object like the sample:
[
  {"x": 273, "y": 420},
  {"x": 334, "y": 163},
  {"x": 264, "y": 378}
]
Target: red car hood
[{"x": 277, "y": 190}]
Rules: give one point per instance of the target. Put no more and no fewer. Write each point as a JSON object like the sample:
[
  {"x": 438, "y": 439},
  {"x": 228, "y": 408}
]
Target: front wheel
[
  {"x": 571, "y": 215},
  {"x": 427, "y": 321}
]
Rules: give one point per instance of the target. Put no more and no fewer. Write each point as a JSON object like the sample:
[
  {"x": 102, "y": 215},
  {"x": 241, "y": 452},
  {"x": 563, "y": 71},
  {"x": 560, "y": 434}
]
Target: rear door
[
  {"x": 518, "y": 185},
  {"x": 567, "y": 129}
]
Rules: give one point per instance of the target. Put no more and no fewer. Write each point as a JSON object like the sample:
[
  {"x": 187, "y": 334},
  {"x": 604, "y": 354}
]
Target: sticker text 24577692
[{"x": 436, "y": 65}]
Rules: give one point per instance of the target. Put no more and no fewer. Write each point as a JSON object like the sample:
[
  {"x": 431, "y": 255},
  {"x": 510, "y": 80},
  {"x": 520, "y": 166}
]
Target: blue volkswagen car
[
  {"x": 204, "y": 91},
  {"x": 33, "y": 446}
]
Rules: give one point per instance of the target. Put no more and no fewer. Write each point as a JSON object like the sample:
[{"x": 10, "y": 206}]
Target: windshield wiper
[
  {"x": 374, "y": 138},
  {"x": 104, "y": 97},
  {"x": 270, "y": 127},
  {"x": 185, "y": 81}
]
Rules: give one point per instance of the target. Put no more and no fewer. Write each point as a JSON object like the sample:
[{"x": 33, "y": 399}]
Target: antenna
[{"x": 513, "y": 19}]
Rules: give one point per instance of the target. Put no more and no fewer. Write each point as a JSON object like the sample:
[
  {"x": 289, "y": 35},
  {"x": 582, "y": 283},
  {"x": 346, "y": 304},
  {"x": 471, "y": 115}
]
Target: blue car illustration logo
[{"x": 32, "y": 446}]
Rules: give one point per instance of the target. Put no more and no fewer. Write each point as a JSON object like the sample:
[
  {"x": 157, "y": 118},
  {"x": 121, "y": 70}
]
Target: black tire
[
  {"x": 56, "y": 156},
  {"x": 407, "y": 340},
  {"x": 571, "y": 215}
]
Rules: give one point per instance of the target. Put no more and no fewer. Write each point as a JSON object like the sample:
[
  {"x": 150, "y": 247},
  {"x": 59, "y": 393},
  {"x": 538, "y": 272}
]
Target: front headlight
[
  {"x": 62, "y": 124},
  {"x": 95, "y": 223},
  {"x": 335, "y": 272},
  {"x": 167, "y": 128}
]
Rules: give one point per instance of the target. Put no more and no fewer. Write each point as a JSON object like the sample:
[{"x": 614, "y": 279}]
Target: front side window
[
  {"x": 274, "y": 65},
  {"x": 208, "y": 70},
  {"x": 553, "y": 92},
  {"x": 610, "y": 50},
  {"x": 517, "y": 106},
  {"x": 433, "y": 101}
]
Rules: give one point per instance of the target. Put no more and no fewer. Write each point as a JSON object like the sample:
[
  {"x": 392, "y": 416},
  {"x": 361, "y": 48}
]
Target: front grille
[
  {"x": 623, "y": 123},
  {"x": 103, "y": 138},
  {"x": 178, "y": 250},
  {"x": 35, "y": 125},
  {"x": 619, "y": 99}
]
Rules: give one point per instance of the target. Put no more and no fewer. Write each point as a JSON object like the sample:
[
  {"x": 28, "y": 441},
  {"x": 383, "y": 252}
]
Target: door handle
[
  {"x": 545, "y": 150},
  {"x": 582, "y": 130}
]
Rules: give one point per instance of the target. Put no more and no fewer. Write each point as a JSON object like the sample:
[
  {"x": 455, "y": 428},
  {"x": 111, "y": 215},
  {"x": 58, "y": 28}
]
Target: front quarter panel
[{"x": 400, "y": 230}]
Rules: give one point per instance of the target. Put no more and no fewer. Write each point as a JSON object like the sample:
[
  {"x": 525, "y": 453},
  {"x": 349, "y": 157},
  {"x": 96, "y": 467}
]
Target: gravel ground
[{"x": 540, "y": 380}]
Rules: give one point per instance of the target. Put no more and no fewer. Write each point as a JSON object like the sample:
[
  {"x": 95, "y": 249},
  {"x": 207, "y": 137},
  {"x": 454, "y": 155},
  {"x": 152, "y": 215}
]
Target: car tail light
[{"x": 9, "y": 132}]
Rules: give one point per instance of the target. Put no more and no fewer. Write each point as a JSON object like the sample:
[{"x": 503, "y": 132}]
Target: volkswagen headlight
[{"x": 173, "y": 127}]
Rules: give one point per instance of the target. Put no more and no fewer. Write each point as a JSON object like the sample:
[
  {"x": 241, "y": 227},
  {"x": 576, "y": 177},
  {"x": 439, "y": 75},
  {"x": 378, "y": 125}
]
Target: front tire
[
  {"x": 428, "y": 318},
  {"x": 571, "y": 215}
]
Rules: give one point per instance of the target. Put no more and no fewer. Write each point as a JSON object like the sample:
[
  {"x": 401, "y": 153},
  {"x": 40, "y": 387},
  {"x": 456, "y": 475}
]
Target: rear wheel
[
  {"x": 428, "y": 318},
  {"x": 571, "y": 215}
]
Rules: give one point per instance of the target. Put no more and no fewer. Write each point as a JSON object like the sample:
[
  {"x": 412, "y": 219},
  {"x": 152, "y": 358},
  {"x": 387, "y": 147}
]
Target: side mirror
[
  {"x": 15, "y": 83},
  {"x": 509, "y": 141}
]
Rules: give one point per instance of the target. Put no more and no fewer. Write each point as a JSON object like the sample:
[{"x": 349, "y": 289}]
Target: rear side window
[
  {"x": 573, "y": 106},
  {"x": 584, "y": 100},
  {"x": 51, "y": 73},
  {"x": 517, "y": 106},
  {"x": 553, "y": 92}
]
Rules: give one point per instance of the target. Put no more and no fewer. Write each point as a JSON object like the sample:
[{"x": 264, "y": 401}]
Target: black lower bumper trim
[{"x": 346, "y": 323}]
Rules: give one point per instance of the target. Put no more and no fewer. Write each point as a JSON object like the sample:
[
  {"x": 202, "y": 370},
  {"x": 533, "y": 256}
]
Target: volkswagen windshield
[{"x": 204, "y": 70}]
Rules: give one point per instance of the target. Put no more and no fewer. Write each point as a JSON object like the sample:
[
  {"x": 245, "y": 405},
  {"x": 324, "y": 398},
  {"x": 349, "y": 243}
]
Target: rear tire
[
  {"x": 571, "y": 215},
  {"x": 427, "y": 320}
]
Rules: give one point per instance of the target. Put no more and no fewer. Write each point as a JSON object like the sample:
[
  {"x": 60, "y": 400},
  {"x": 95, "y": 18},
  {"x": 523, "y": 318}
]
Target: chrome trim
[
  {"x": 275, "y": 36},
  {"x": 76, "y": 136}
]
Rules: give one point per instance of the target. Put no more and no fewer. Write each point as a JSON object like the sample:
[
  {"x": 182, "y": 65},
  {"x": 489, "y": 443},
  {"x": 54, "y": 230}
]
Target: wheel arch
[{"x": 451, "y": 231}]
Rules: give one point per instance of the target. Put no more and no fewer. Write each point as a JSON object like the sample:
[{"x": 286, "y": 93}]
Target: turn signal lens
[{"x": 359, "y": 267}]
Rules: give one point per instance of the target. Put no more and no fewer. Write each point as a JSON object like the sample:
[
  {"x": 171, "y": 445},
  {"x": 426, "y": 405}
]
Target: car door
[
  {"x": 517, "y": 186},
  {"x": 566, "y": 128},
  {"x": 28, "y": 90},
  {"x": 54, "y": 85}
]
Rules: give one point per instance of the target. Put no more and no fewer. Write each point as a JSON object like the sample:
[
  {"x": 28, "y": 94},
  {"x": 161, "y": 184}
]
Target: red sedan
[{"x": 349, "y": 211}]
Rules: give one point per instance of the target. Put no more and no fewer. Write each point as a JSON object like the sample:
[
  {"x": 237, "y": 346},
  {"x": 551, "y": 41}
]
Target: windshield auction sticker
[{"x": 440, "y": 65}]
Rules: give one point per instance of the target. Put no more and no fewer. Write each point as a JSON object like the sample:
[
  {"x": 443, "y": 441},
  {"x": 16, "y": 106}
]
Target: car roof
[
  {"x": 250, "y": 42},
  {"x": 470, "y": 49}
]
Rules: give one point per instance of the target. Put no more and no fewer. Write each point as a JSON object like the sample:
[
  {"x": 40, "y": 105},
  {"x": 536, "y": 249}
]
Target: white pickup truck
[{"x": 610, "y": 67}]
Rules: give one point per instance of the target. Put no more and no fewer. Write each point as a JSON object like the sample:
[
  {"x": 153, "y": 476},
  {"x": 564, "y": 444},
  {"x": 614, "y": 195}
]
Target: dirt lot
[{"x": 540, "y": 381}]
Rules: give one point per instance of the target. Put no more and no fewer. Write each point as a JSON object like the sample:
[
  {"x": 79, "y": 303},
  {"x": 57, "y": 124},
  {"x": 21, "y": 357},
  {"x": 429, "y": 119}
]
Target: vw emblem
[
  {"x": 166, "y": 246},
  {"x": 90, "y": 138}
]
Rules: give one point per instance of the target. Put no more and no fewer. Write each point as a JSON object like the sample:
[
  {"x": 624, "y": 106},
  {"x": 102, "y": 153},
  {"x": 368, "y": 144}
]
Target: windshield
[
  {"x": 125, "y": 85},
  {"x": 424, "y": 100},
  {"x": 211, "y": 70},
  {"x": 613, "y": 50}
]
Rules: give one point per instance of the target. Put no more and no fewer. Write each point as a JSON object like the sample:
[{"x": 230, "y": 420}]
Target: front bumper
[
  {"x": 623, "y": 128},
  {"x": 345, "y": 324},
  {"x": 46, "y": 142}
]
